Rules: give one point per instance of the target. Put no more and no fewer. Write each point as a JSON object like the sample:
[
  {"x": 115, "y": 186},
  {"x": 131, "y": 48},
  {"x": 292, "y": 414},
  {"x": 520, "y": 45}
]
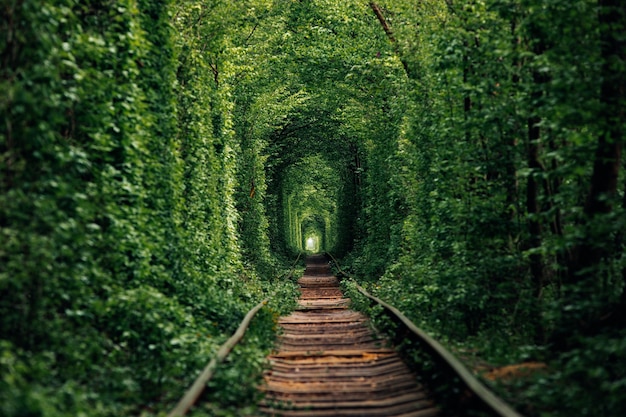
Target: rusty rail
[
  {"x": 490, "y": 400},
  {"x": 293, "y": 266},
  {"x": 193, "y": 393}
]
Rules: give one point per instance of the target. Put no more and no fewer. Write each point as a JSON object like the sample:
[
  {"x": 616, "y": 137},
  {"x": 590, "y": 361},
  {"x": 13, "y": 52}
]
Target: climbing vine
[
  {"x": 161, "y": 161},
  {"x": 121, "y": 267}
]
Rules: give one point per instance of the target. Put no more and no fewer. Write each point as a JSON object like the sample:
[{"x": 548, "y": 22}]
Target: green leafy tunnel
[{"x": 163, "y": 162}]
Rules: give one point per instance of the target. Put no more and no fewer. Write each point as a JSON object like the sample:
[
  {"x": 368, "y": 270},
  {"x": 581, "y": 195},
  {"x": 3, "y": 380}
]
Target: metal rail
[
  {"x": 196, "y": 389},
  {"x": 482, "y": 393},
  {"x": 293, "y": 266},
  {"x": 192, "y": 394}
]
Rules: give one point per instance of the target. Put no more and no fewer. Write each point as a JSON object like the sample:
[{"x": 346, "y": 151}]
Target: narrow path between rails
[{"x": 329, "y": 363}]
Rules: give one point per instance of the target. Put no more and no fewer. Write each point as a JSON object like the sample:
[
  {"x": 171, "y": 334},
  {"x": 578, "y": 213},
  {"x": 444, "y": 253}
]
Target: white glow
[{"x": 310, "y": 244}]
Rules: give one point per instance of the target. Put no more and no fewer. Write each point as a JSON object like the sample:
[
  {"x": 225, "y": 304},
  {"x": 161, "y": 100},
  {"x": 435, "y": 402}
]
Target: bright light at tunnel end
[{"x": 312, "y": 244}]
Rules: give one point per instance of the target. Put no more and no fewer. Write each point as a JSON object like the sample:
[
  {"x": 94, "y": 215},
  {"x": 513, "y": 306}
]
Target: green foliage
[
  {"x": 161, "y": 161},
  {"x": 493, "y": 179},
  {"x": 121, "y": 269},
  {"x": 154, "y": 339}
]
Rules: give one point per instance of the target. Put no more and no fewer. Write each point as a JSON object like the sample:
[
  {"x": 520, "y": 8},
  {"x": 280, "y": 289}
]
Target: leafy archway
[
  {"x": 157, "y": 158},
  {"x": 311, "y": 192}
]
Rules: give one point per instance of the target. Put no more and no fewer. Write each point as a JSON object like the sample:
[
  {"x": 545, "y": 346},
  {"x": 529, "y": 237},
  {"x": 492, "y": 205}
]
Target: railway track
[{"x": 329, "y": 362}]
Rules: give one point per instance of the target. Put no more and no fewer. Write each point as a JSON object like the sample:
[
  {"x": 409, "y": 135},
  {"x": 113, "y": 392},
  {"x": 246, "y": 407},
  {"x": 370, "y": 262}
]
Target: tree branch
[{"x": 383, "y": 22}]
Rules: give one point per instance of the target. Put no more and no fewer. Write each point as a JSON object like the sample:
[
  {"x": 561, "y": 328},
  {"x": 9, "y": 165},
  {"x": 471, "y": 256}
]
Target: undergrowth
[{"x": 150, "y": 350}]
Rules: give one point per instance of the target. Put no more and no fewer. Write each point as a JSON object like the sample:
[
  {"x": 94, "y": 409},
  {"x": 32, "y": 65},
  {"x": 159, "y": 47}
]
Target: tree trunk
[
  {"x": 534, "y": 223},
  {"x": 592, "y": 250},
  {"x": 533, "y": 207},
  {"x": 532, "y": 204}
]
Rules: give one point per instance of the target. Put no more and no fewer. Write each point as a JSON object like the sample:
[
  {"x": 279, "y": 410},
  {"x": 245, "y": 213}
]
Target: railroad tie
[{"x": 329, "y": 363}]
